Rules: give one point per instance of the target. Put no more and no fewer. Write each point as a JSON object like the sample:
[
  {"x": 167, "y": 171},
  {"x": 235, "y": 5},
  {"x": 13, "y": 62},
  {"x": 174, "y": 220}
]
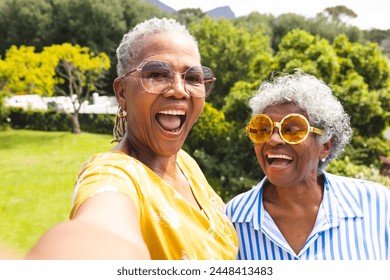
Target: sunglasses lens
[
  {"x": 156, "y": 76},
  {"x": 294, "y": 129},
  {"x": 260, "y": 128}
]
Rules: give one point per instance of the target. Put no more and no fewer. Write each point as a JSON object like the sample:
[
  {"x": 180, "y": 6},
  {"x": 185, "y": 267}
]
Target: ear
[
  {"x": 326, "y": 148},
  {"x": 119, "y": 89}
]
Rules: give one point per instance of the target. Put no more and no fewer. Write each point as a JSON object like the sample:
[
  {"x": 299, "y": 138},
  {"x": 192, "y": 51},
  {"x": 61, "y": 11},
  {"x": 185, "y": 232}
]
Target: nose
[
  {"x": 177, "y": 89},
  {"x": 275, "y": 138}
]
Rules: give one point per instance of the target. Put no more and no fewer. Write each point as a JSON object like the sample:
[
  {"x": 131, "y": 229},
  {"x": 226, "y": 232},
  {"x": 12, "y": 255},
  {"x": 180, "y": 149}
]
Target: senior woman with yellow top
[
  {"x": 147, "y": 198},
  {"x": 299, "y": 211}
]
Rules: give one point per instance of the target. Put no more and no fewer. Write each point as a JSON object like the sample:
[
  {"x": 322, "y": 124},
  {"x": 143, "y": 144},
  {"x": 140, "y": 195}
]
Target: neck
[{"x": 306, "y": 194}]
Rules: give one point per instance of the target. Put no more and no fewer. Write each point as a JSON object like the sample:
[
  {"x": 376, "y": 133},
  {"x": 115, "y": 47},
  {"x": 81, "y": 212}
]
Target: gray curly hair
[
  {"x": 132, "y": 41},
  {"x": 315, "y": 98}
]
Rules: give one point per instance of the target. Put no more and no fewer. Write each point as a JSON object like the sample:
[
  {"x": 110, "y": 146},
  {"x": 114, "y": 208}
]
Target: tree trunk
[{"x": 75, "y": 123}]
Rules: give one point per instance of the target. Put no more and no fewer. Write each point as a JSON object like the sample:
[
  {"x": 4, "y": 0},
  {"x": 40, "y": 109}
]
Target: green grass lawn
[{"x": 37, "y": 175}]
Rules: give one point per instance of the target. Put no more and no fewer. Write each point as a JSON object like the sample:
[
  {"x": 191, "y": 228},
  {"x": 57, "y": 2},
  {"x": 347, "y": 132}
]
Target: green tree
[
  {"x": 363, "y": 105},
  {"x": 24, "y": 22},
  {"x": 300, "y": 49},
  {"x": 363, "y": 85},
  {"x": 136, "y": 11},
  {"x": 79, "y": 73},
  {"x": 97, "y": 25},
  {"x": 255, "y": 21},
  {"x": 187, "y": 16},
  {"x": 381, "y": 37},
  {"x": 223, "y": 152},
  {"x": 25, "y": 71},
  {"x": 3, "y": 80},
  {"x": 227, "y": 50},
  {"x": 367, "y": 60},
  {"x": 338, "y": 13},
  {"x": 284, "y": 24},
  {"x": 319, "y": 25}
]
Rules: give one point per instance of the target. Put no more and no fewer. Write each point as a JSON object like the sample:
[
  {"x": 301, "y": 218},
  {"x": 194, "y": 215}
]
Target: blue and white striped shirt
[{"x": 353, "y": 223}]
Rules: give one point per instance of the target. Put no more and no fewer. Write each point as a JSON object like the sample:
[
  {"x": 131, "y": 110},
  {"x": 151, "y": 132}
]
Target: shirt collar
[{"x": 335, "y": 203}]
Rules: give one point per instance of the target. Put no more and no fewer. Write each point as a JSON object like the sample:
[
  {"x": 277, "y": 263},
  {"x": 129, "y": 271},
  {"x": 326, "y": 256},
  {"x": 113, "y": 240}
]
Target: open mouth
[
  {"x": 278, "y": 159},
  {"x": 171, "y": 120}
]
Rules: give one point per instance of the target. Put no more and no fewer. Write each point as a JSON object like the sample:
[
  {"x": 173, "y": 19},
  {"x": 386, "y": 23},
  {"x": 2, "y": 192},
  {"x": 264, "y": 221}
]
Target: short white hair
[{"x": 133, "y": 41}]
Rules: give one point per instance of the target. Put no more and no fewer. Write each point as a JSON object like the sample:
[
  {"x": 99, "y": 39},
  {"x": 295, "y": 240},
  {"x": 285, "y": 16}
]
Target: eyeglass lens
[
  {"x": 158, "y": 76},
  {"x": 292, "y": 129}
]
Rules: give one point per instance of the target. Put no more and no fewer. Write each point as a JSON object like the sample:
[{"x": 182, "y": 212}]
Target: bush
[
  {"x": 97, "y": 123},
  {"x": 3, "y": 112},
  {"x": 55, "y": 121},
  {"x": 345, "y": 167}
]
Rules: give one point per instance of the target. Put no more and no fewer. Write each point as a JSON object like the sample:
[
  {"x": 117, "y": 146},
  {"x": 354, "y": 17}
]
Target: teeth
[
  {"x": 280, "y": 156},
  {"x": 173, "y": 112}
]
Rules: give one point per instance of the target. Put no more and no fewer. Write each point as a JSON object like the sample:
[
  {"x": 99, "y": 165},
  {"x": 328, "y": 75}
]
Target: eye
[
  {"x": 264, "y": 129},
  {"x": 293, "y": 129},
  {"x": 194, "y": 75},
  {"x": 194, "y": 78},
  {"x": 155, "y": 74}
]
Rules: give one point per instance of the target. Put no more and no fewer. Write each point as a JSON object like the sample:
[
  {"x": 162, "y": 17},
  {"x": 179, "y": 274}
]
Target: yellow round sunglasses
[{"x": 293, "y": 128}]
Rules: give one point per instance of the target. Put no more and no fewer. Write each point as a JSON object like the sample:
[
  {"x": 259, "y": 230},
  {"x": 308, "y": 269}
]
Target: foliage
[
  {"x": 95, "y": 24},
  {"x": 363, "y": 85},
  {"x": 367, "y": 60},
  {"x": 3, "y": 111},
  {"x": 336, "y": 13},
  {"x": 236, "y": 102},
  {"x": 207, "y": 132},
  {"x": 79, "y": 69},
  {"x": 363, "y": 105},
  {"x": 187, "y": 16},
  {"x": 255, "y": 21},
  {"x": 367, "y": 150},
  {"x": 39, "y": 120},
  {"x": 381, "y": 37},
  {"x": 300, "y": 49},
  {"x": 57, "y": 121},
  {"x": 80, "y": 73},
  {"x": 23, "y": 71},
  {"x": 24, "y": 22},
  {"x": 66, "y": 69},
  {"x": 345, "y": 167},
  {"x": 227, "y": 50}
]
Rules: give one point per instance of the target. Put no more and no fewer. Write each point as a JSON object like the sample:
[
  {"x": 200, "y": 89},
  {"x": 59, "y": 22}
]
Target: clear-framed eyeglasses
[{"x": 157, "y": 77}]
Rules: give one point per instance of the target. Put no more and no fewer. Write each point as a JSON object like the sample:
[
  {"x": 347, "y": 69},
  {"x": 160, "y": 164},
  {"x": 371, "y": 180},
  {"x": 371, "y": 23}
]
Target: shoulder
[
  {"x": 357, "y": 187},
  {"x": 244, "y": 202},
  {"x": 114, "y": 157},
  {"x": 353, "y": 182},
  {"x": 114, "y": 162},
  {"x": 109, "y": 172},
  {"x": 190, "y": 166},
  {"x": 183, "y": 156}
]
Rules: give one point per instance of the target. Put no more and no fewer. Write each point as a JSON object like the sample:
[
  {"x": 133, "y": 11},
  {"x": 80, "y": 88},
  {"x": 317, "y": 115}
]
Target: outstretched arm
[{"x": 105, "y": 227}]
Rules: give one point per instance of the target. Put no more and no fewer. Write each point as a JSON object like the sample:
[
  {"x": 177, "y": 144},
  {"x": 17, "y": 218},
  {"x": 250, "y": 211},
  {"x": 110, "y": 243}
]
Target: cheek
[
  {"x": 198, "y": 104},
  {"x": 259, "y": 155}
]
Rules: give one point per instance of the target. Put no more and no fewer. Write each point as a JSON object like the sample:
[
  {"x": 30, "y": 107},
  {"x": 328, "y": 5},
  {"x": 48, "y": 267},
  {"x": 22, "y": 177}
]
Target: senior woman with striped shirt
[{"x": 299, "y": 211}]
